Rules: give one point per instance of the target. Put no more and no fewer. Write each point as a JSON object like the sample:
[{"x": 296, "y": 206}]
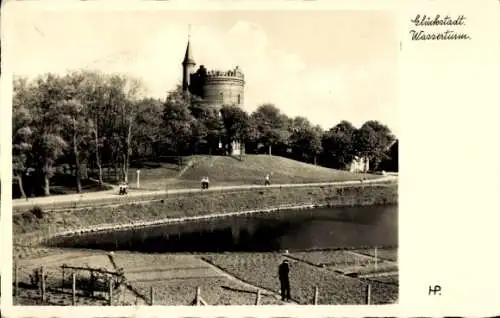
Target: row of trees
[{"x": 89, "y": 118}]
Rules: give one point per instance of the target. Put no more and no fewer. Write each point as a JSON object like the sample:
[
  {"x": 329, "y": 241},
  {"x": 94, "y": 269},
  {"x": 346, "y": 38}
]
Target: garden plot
[
  {"x": 333, "y": 259},
  {"x": 52, "y": 265},
  {"x": 345, "y": 262},
  {"x": 260, "y": 269},
  {"x": 389, "y": 254},
  {"x": 214, "y": 290},
  {"x": 386, "y": 279},
  {"x": 174, "y": 279}
]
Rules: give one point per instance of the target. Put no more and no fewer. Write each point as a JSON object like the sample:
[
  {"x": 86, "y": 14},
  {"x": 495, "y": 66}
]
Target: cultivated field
[
  {"x": 224, "y": 279},
  {"x": 335, "y": 288}
]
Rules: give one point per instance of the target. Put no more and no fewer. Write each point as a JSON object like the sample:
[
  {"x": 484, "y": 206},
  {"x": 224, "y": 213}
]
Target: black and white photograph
[{"x": 204, "y": 157}]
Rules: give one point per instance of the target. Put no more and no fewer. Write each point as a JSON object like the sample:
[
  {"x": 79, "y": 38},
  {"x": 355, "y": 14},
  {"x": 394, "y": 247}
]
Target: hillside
[{"x": 253, "y": 168}]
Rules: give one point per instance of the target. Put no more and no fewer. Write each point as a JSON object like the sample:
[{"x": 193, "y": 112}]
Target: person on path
[
  {"x": 267, "y": 181},
  {"x": 283, "y": 271},
  {"x": 123, "y": 188}
]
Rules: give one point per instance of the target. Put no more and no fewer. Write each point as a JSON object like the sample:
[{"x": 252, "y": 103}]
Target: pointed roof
[{"x": 188, "y": 57}]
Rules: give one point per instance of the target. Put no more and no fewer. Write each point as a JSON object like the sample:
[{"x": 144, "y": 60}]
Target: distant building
[
  {"x": 215, "y": 87},
  {"x": 359, "y": 164},
  {"x": 362, "y": 164}
]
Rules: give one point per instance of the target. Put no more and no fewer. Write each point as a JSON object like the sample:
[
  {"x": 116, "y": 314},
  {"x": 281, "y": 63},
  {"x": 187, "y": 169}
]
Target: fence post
[
  {"x": 368, "y": 293},
  {"x": 316, "y": 295},
  {"x": 198, "y": 293},
  {"x": 17, "y": 280},
  {"x": 92, "y": 283},
  {"x": 62, "y": 280},
  {"x": 152, "y": 295},
  {"x": 110, "y": 280},
  {"x": 73, "y": 288},
  {"x": 257, "y": 298},
  {"x": 42, "y": 273}
]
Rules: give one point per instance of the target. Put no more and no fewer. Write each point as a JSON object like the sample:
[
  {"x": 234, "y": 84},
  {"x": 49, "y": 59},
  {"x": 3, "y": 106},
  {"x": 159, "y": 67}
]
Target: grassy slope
[
  {"x": 253, "y": 168},
  {"x": 225, "y": 170}
]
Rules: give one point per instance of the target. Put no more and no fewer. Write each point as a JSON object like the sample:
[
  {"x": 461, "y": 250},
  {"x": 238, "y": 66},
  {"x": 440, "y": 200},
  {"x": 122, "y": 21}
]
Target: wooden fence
[
  {"x": 199, "y": 301},
  {"x": 79, "y": 282}
]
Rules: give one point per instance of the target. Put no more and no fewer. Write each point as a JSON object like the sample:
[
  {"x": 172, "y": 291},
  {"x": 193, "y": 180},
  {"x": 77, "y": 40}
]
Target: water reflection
[{"x": 292, "y": 230}]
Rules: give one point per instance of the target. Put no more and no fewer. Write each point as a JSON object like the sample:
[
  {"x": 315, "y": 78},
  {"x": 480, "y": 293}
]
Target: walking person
[
  {"x": 283, "y": 271},
  {"x": 268, "y": 180}
]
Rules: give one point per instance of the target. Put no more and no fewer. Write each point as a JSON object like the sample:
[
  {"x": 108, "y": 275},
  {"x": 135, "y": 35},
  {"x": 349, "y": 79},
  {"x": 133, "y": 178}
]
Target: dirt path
[{"x": 143, "y": 194}]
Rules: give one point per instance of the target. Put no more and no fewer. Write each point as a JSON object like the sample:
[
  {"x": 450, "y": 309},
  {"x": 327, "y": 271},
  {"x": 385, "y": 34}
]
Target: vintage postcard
[{"x": 197, "y": 159}]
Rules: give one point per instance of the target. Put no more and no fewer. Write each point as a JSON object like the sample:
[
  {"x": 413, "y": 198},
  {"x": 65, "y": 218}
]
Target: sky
[{"x": 327, "y": 66}]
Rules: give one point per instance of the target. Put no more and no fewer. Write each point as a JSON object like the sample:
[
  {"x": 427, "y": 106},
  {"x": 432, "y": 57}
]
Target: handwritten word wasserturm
[{"x": 424, "y": 21}]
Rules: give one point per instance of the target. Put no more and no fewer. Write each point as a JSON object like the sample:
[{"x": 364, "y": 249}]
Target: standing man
[{"x": 283, "y": 272}]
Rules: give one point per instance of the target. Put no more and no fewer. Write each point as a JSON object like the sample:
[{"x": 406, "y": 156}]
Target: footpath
[{"x": 87, "y": 199}]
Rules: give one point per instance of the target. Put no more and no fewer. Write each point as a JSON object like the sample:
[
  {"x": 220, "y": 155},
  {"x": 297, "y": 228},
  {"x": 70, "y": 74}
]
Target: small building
[{"x": 359, "y": 164}]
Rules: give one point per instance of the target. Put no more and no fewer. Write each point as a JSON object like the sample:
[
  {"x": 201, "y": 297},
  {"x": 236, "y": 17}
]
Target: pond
[{"x": 320, "y": 228}]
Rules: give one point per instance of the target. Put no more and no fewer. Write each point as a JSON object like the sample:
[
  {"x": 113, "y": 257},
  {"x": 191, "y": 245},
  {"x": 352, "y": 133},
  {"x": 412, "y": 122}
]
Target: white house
[{"x": 359, "y": 164}]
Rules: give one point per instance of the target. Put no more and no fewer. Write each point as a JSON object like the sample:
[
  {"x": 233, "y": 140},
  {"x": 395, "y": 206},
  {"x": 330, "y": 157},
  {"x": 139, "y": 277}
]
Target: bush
[{"x": 38, "y": 212}]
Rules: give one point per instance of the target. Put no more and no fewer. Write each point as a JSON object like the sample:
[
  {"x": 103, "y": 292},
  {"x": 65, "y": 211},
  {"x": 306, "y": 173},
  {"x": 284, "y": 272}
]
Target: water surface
[{"x": 321, "y": 228}]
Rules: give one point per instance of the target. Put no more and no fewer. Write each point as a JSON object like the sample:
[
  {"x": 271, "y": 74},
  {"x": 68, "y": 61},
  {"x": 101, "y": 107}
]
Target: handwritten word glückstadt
[{"x": 426, "y": 20}]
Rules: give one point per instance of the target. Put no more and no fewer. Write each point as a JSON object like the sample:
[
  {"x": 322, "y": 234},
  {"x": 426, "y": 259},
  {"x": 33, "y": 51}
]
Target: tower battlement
[{"x": 235, "y": 73}]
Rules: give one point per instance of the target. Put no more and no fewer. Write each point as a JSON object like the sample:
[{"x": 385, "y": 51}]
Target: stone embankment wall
[{"x": 30, "y": 229}]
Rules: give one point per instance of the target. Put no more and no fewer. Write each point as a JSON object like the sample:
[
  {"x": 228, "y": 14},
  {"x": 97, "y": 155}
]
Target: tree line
[{"x": 88, "y": 118}]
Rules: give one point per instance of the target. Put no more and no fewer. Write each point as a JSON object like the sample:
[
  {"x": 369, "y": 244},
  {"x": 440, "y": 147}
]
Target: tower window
[
  {"x": 239, "y": 99},
  {"x": 221, "y": 95}
]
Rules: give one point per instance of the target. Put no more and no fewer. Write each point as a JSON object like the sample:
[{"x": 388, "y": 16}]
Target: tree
[
  {"x": 178, "y": 122},
  {"x": 339, "y": 145},
  {"x": 22, "y": 132},
  {"x": 236, "y": 124},
  {"x": 78, "y": 128},
  {"x": 48, "y": 141},
  {"x": 93, "y": 92},
  {"x": 372, "y": 140},
  {"x": 208, "y": 123},
  {"x": 120, "y": 111},
  {"x": 148, "y": 126},
  {"x": 305, "y": 139},
  {"x": 270, "y": 125},
  {"x": 131, "y": 88}
]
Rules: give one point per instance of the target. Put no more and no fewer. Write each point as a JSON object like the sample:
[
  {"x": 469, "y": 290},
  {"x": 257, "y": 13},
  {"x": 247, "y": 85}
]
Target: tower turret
[{"x": 188, "y": 65}]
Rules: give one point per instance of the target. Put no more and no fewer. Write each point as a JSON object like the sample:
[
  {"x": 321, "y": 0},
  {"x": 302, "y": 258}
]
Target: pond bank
[{"x": 31, "y": 229}]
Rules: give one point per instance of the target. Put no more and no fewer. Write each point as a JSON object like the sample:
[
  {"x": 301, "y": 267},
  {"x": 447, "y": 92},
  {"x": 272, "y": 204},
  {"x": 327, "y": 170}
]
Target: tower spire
[
  {"x": 187, "y": 64},
  {"x": 188, "y": 57}
]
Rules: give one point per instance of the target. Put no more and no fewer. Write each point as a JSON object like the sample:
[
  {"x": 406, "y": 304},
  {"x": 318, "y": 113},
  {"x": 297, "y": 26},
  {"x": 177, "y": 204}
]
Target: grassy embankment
[{"x": 28, "y": 229}]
